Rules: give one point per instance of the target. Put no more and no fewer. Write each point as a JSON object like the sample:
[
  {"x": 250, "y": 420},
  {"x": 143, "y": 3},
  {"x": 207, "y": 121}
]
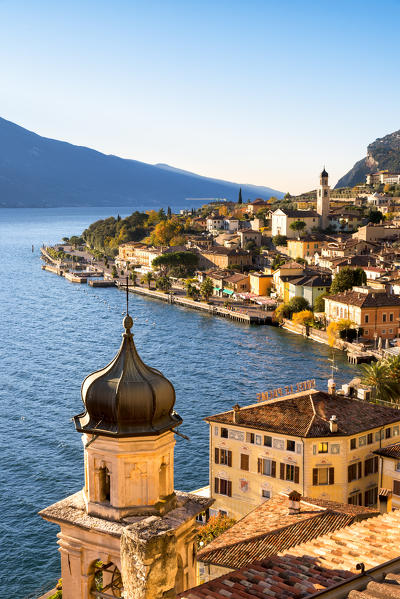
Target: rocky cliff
[{"x": 383, "y": 153}]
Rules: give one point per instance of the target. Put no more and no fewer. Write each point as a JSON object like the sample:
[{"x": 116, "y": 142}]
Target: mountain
[
  {"x": 39, "y": 172},
  {"x": 382, "y": 154}
]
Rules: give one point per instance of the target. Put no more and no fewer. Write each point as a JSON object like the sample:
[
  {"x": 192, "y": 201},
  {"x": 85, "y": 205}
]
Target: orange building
[{"x": 374, "y": 310}]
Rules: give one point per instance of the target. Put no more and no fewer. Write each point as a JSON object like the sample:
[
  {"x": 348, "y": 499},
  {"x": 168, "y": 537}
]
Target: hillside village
[{"x": 304, "y": 484}]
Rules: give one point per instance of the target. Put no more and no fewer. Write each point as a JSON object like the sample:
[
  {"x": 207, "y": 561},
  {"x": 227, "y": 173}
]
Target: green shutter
[
  {"x": 331, "y": 476},
  {"x": 315, "y": 477},
  {"x": 282, "y": 471},
  {"x": 216, "y": 455},
  {"x": 273, "y": 468},
  {"x": 296, "y": 474}
]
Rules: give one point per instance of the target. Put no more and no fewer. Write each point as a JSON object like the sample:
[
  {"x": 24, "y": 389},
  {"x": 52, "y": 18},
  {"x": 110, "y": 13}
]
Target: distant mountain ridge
[
  {"x": 382, "y": 154},
  {"x": 37, "y": 171}
]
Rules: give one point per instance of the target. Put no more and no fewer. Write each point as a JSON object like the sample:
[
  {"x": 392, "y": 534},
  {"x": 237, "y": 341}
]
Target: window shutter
[
  {"x": 376, "y": 464},
  {"x": 366, "y": 468},
  {"x": 259, "y": 465},
  {"x": 229, "y": 488},
  {"x": 273, "y": 469},
  {"x": 359, "y": 470},
  {"x": 331, "y": 476},
  {"x": 282, "y": 473},
  {"x": 296, "y": 474},
  {"x": 216, "y": 485},
  {"x": 229, "y": 458},
  {"x": 315, "y": 476},
  {"x": 216, "y": 455},
  {"x": 349, "y": 479},
  {"x": 396, "y": 487}
]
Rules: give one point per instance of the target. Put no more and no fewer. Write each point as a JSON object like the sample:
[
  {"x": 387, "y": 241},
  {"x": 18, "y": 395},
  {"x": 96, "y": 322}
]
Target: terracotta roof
[
  {"x": 270, "y": 529},
  {"x": 236, "y": 278},
  {"x": 311, "y": 567},
  {"x": 389, "y": 588},
  {"x": 319, "y": 280},
  {"x": 300, "y": 213},
  {"x": 365, "y": 300},
  {"x": 391, "y": 451},
  {"x": 307, "y": 414}
]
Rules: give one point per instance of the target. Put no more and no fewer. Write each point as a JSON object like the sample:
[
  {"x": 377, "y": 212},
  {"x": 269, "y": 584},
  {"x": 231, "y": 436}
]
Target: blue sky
[{"x": 258, "y": 91}]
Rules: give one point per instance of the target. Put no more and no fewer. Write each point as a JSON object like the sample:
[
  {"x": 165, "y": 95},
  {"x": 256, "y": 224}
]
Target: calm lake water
[{"x": 54, "y": 333}]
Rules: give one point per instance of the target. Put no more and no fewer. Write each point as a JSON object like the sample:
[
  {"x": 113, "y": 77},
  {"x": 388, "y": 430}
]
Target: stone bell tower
[
  {"x": 127, "y": 533},
  {"x": 323, "y": 200}
]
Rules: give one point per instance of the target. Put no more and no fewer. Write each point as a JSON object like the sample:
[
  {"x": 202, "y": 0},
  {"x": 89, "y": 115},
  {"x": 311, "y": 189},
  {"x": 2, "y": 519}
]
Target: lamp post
[{"x": 375, "y": 338}]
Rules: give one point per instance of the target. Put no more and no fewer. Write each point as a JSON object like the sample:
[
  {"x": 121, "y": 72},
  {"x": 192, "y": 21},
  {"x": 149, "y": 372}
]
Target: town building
[
  {"x": 133, "y": 252},
  {"x": 260, "y": 283},
  {"x": 389, "y": 476},
  {"x": 319, "y": 444},
  {"x": 224, "y": 257},
  {"x": 276, "y": 525},
  {"x": 283, "y": 275},
  {"x": 305, "y": 247},
  {"x": 256, "y": 205},
  {"x": 309, "y": 286},
  {"x": 237, "y": 283},
  {"x": 250, "y": 235},
  {"x": 377, "y": 233},
  {"x": 374, "y": 310},
  {"x": 383, "y": 178},
  {"x": 282, "y": 218},
  {"x": 127, "y": 532}
]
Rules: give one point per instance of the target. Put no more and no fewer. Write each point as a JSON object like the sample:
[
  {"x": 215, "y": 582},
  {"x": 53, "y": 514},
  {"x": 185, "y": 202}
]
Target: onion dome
[
  {"x": 127, "y": 398},
  {"x": 324, "y": 173}
]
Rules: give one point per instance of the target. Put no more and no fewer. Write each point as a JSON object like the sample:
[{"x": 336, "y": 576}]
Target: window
[
  {"x": 323, "y": 447},
  {"x": 371, "y": 497},
  {"x": 391, "y": 317},
  {"x": 383, "y": 331},
  {"x": 397, "y": 467},
  {"x": 223, "y": 456},
  {"x": 266, "y": 467},
  {"x": 216, "y": 430},
  {"x": 250, "y": 438},
  {"x": 355, "y": 499},
  {"x": 371, "y": 466},
  {"x": 366, "y": 331},
  {"x": 104, "y": 480},
  {"x": 396, "y": 487},
  {"x": 224, "y": 433},
  {"x": 370, "y": 438},
  {"x": 354, "y": 472},
  {"x": 290, "y": 445},
  {"x": 388, "y": 433},
  {"x": 265, "y": 494},
  {"x": 223, "y": 487},
  {"x": 383, "y": 317},
  {"x": 353, "y": 443},
  {"x": 323, "y": 476},
  {"x": 267, "y": 441},
  {"x": 289, "y": 472},
  {"x": 244, "y": 461},
  {"x": 366, "y": 318}
]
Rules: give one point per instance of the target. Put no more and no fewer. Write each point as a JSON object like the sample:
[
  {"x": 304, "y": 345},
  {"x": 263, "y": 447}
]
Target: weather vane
[{"x": 127, "y": 296}]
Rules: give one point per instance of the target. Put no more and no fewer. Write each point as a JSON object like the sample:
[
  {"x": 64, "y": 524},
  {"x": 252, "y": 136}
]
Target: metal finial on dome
[{"x": 128, "y": 321}]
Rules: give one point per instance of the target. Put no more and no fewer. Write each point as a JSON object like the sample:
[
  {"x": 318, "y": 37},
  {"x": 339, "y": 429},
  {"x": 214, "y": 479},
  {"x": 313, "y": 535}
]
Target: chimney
[
  {"x": 331, "y": 386},
  {"x": 333, "y": 425},
  {"x": 236, "y": 414},
  {"x": 294, "y": 503}
]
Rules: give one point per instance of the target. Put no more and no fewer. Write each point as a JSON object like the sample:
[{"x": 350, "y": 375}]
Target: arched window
[
  {"x": 104, "y": 484},
  {"x": 106, "y": 581},
  {"x": 162, "y": 479}
]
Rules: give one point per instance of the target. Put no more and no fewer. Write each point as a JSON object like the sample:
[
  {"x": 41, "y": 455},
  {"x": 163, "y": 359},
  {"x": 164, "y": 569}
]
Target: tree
[
  {"x": 164, "y": 283},
  {"x": 240, "y": 200},
  {"x": 282, "y": 312},
  {"x": 147, "y": 278},
  {"x": 114, "y": 272},
  {"x": 180, "y": 264},
  {"x": 214, "y": 527},
  {"x": 319, "y": 304},
  {"x": 298, "y": 304},
  {"x": 298, "y": 226},
  {"x": 375, "y": 216},
  {"x": 347, "y": 278},
  {"x": 305, "y": 317},
  {"x": 378, "y": 375},
  {"x": 191, "y": 289},
  {"x": 279, "y": 240},
  {"x": 133, "y": 277},
  {"x": 207, "y": 288},
  {"x": 169, "y": 212}
]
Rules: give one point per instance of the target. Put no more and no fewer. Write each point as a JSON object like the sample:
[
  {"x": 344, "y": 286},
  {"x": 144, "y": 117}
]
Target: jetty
[{"x": 234, "y": 313}]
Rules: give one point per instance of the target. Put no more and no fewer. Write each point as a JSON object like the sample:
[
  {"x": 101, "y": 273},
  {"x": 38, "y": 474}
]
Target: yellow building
[
  {"x": 138, "y": 253},
  {"x": 260, "y": 283},
  {"x": 304, "y": 248},
  {"x": 319, "y": 444},
  {"x": 282, "y": 276},
  {"x": 389, "y": 476}
]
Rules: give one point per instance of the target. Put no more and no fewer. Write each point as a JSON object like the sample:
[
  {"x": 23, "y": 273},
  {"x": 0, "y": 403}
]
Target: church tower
[
  {"x": 323, "y": 199},
  {"x": 127, "y": 533}
]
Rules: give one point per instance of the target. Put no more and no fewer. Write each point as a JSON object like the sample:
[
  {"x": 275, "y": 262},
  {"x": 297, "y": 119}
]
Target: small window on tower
[{"x": 104, "y": 480}]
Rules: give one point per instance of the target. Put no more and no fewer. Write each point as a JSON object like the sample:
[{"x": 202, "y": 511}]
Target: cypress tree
[{"x": 240, "y": 200}]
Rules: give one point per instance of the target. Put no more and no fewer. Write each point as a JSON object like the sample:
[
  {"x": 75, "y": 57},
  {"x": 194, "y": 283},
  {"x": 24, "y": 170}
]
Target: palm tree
[
  {"x": 133, "y": 278},
  {"x": 378, "y": 375},
  {"x": 147, "y": 279}
]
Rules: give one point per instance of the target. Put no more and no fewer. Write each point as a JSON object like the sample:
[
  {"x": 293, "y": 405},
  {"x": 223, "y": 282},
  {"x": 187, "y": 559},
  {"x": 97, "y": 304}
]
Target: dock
[{"x": 100, "y": 283}]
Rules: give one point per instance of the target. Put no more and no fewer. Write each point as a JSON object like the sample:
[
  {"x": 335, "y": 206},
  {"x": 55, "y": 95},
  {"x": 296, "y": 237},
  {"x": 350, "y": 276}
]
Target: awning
[{"x": 228, "y": 291}]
